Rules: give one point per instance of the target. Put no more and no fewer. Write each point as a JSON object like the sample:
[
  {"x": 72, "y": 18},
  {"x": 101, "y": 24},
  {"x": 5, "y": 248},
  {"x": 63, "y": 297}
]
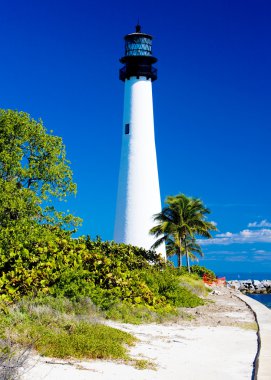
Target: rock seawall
[{"x": 251, "y": 286}]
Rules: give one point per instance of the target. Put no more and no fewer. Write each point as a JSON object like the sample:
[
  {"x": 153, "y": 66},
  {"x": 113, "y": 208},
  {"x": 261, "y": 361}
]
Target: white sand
[
  {"x": 180, "y": 352},
  {"x": 212, "y": 346}
]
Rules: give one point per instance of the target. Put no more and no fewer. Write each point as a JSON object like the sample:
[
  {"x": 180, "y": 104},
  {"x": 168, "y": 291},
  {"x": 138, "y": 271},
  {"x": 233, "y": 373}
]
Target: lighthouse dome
[{"x": 138, "y": 58}]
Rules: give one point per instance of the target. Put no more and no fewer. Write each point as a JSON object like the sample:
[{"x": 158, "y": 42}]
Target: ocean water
[
  {"x": 246, "y": 276},
  {"x": 263, "y": 298}
]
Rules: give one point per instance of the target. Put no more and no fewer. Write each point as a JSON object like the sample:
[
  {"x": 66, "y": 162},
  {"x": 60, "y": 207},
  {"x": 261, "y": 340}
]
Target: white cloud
[
  {"x": 227, "y": 234},
  {"x": 262, "y": 252},
  {"x": 214, "y": 223},
  {"x": 235, "y": 258},
  {"x": 245, "y": 236},
  {"x": 262, "y": 223},
  {"x": 219, "y": 252},
  {"x": 261, "y": 258}
]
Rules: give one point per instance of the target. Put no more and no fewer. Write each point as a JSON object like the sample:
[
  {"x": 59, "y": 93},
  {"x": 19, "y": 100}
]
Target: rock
[
  {"x": 234, "y": 284},
  {"x": 242, "y": 287},
  {"x": 266, "y": 283},
  {"x": 251, "y": 286},
  {"x": 258, "y": 284},
  {"x": 216, "y": 292},
  {"x": 248, "y": 283}
]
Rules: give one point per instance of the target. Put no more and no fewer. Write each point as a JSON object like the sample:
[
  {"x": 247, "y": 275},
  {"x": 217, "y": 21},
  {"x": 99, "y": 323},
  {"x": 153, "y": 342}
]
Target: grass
[
  {"x": 144, "y": 364},
  {"x": 138, "y": 314},
  {"x": 60, "y": 334},
  {"x": 76, "y": 340},
  {"x": 193, "y": 283}
]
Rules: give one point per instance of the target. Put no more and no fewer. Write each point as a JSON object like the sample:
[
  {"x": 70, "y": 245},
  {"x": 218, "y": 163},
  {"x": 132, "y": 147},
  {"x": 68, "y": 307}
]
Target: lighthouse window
[
  {"x": 138, "y": 46},
  {"x": 127, "y": 129}
]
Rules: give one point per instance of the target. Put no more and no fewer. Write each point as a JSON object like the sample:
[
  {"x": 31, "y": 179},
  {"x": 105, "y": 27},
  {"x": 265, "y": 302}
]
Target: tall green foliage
[
  {"x": 106, "y": 272},
  {"x": 33, "y": 172}
]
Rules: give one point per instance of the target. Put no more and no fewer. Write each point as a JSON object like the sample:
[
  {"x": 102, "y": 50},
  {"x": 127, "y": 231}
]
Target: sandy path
[{"x": 213, "y": 347}]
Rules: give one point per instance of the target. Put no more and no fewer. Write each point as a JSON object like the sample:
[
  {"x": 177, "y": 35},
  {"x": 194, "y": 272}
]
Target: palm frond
[
  {"x": 179, "y": 222},
  {"x": 159, "y": 242}
]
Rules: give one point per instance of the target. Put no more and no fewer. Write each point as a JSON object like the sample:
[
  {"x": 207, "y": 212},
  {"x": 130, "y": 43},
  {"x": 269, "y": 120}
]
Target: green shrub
[
  {"x": 137, "y": 314},
  {"x": 166, "y": 285},
  {"x": 105, "y": 272},
  {"x": 77, "y": 340},
  {"x": 199, "y": 270},
  {"x": 47, "y": 327}
]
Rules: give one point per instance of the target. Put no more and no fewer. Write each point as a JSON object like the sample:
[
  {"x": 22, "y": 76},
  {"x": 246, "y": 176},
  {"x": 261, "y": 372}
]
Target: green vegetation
[
  {"x": 34, "y": 172},
  {"x": 178, "y": 223},
  {"x": 63, "y": 329},
  {"x": 144, "y": 364},
  {"x": 55, "y": 289},
  {"x": 106, "y": 272},
  {"x": 201, "y": 271},
  {"x": 64, "y": 281},
  {"x": 192, "y": 283},
  {"x": 56, "y": 326}
]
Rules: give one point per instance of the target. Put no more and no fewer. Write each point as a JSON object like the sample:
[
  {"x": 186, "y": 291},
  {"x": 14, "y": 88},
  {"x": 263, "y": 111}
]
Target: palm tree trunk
[
  {"x": 179, "y": 260},
  {"x": 180, "y": 255},
  {"x": 187, "y": 256},
  {"x": 187, "y": 260}
]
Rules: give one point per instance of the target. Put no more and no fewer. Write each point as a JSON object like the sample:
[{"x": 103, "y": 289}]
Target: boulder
[
  {"x": 251, "y": 286},
  {"x": 234, "y": 284}
]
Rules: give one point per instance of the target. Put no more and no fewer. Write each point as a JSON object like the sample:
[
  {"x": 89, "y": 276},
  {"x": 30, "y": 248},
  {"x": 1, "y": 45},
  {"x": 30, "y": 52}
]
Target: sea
[{"x": 263, "y": 298}]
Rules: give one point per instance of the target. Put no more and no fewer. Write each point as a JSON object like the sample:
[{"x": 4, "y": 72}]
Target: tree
[
  {"x": 179, "y": 222},
  {"x": 191, "y": 250},
  {"x": 190, "y": 247},
  {"x": 34, "y": 172}
]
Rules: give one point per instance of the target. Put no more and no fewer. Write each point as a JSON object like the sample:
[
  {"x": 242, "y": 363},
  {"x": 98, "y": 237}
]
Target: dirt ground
[{"x": 223, "y": 308}]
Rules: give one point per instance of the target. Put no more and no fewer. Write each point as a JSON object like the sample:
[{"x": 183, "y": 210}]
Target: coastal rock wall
[{"x": 251, "y": 286}]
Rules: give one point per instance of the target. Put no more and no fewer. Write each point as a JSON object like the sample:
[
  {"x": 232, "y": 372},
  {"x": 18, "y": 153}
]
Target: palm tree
[
  {"x": 173, "y": 248},
  {"x": 191, "y": 249},
  {"x": 183, "y": 217}
]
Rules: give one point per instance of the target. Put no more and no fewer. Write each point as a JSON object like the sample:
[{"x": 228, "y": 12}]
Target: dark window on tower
[{"x": 127, "y": 129}]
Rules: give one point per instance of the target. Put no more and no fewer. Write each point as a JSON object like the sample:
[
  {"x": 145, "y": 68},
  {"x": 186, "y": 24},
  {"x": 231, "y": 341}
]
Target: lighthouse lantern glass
[{"x": 137, "y": 45}]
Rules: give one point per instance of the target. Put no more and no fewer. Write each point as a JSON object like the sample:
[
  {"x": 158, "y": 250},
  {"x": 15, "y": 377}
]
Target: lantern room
[{"x": 138, "y": 57}]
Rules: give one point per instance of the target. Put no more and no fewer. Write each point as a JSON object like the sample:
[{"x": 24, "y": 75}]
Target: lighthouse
[{"x": 138, "y": 196}]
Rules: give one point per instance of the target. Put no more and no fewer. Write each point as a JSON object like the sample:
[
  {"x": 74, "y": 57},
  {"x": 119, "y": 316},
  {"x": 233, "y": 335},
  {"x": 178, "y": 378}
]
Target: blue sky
[{"x": 59, "y": 62}]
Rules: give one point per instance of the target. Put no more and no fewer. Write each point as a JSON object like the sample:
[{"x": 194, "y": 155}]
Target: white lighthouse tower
[{"x": 138, "y": 189}]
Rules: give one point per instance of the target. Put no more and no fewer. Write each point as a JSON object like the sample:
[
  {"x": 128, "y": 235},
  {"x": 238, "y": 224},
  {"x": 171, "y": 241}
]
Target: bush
[
  {"x": 137, "y": 314},
  {"x": 77, "y": 340},
  {"x": 106, "y": 272},
  {"x": 199, "y": 270},
  {"x": 166, "y": 284},
  {"x": 45, "y": 325}
]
